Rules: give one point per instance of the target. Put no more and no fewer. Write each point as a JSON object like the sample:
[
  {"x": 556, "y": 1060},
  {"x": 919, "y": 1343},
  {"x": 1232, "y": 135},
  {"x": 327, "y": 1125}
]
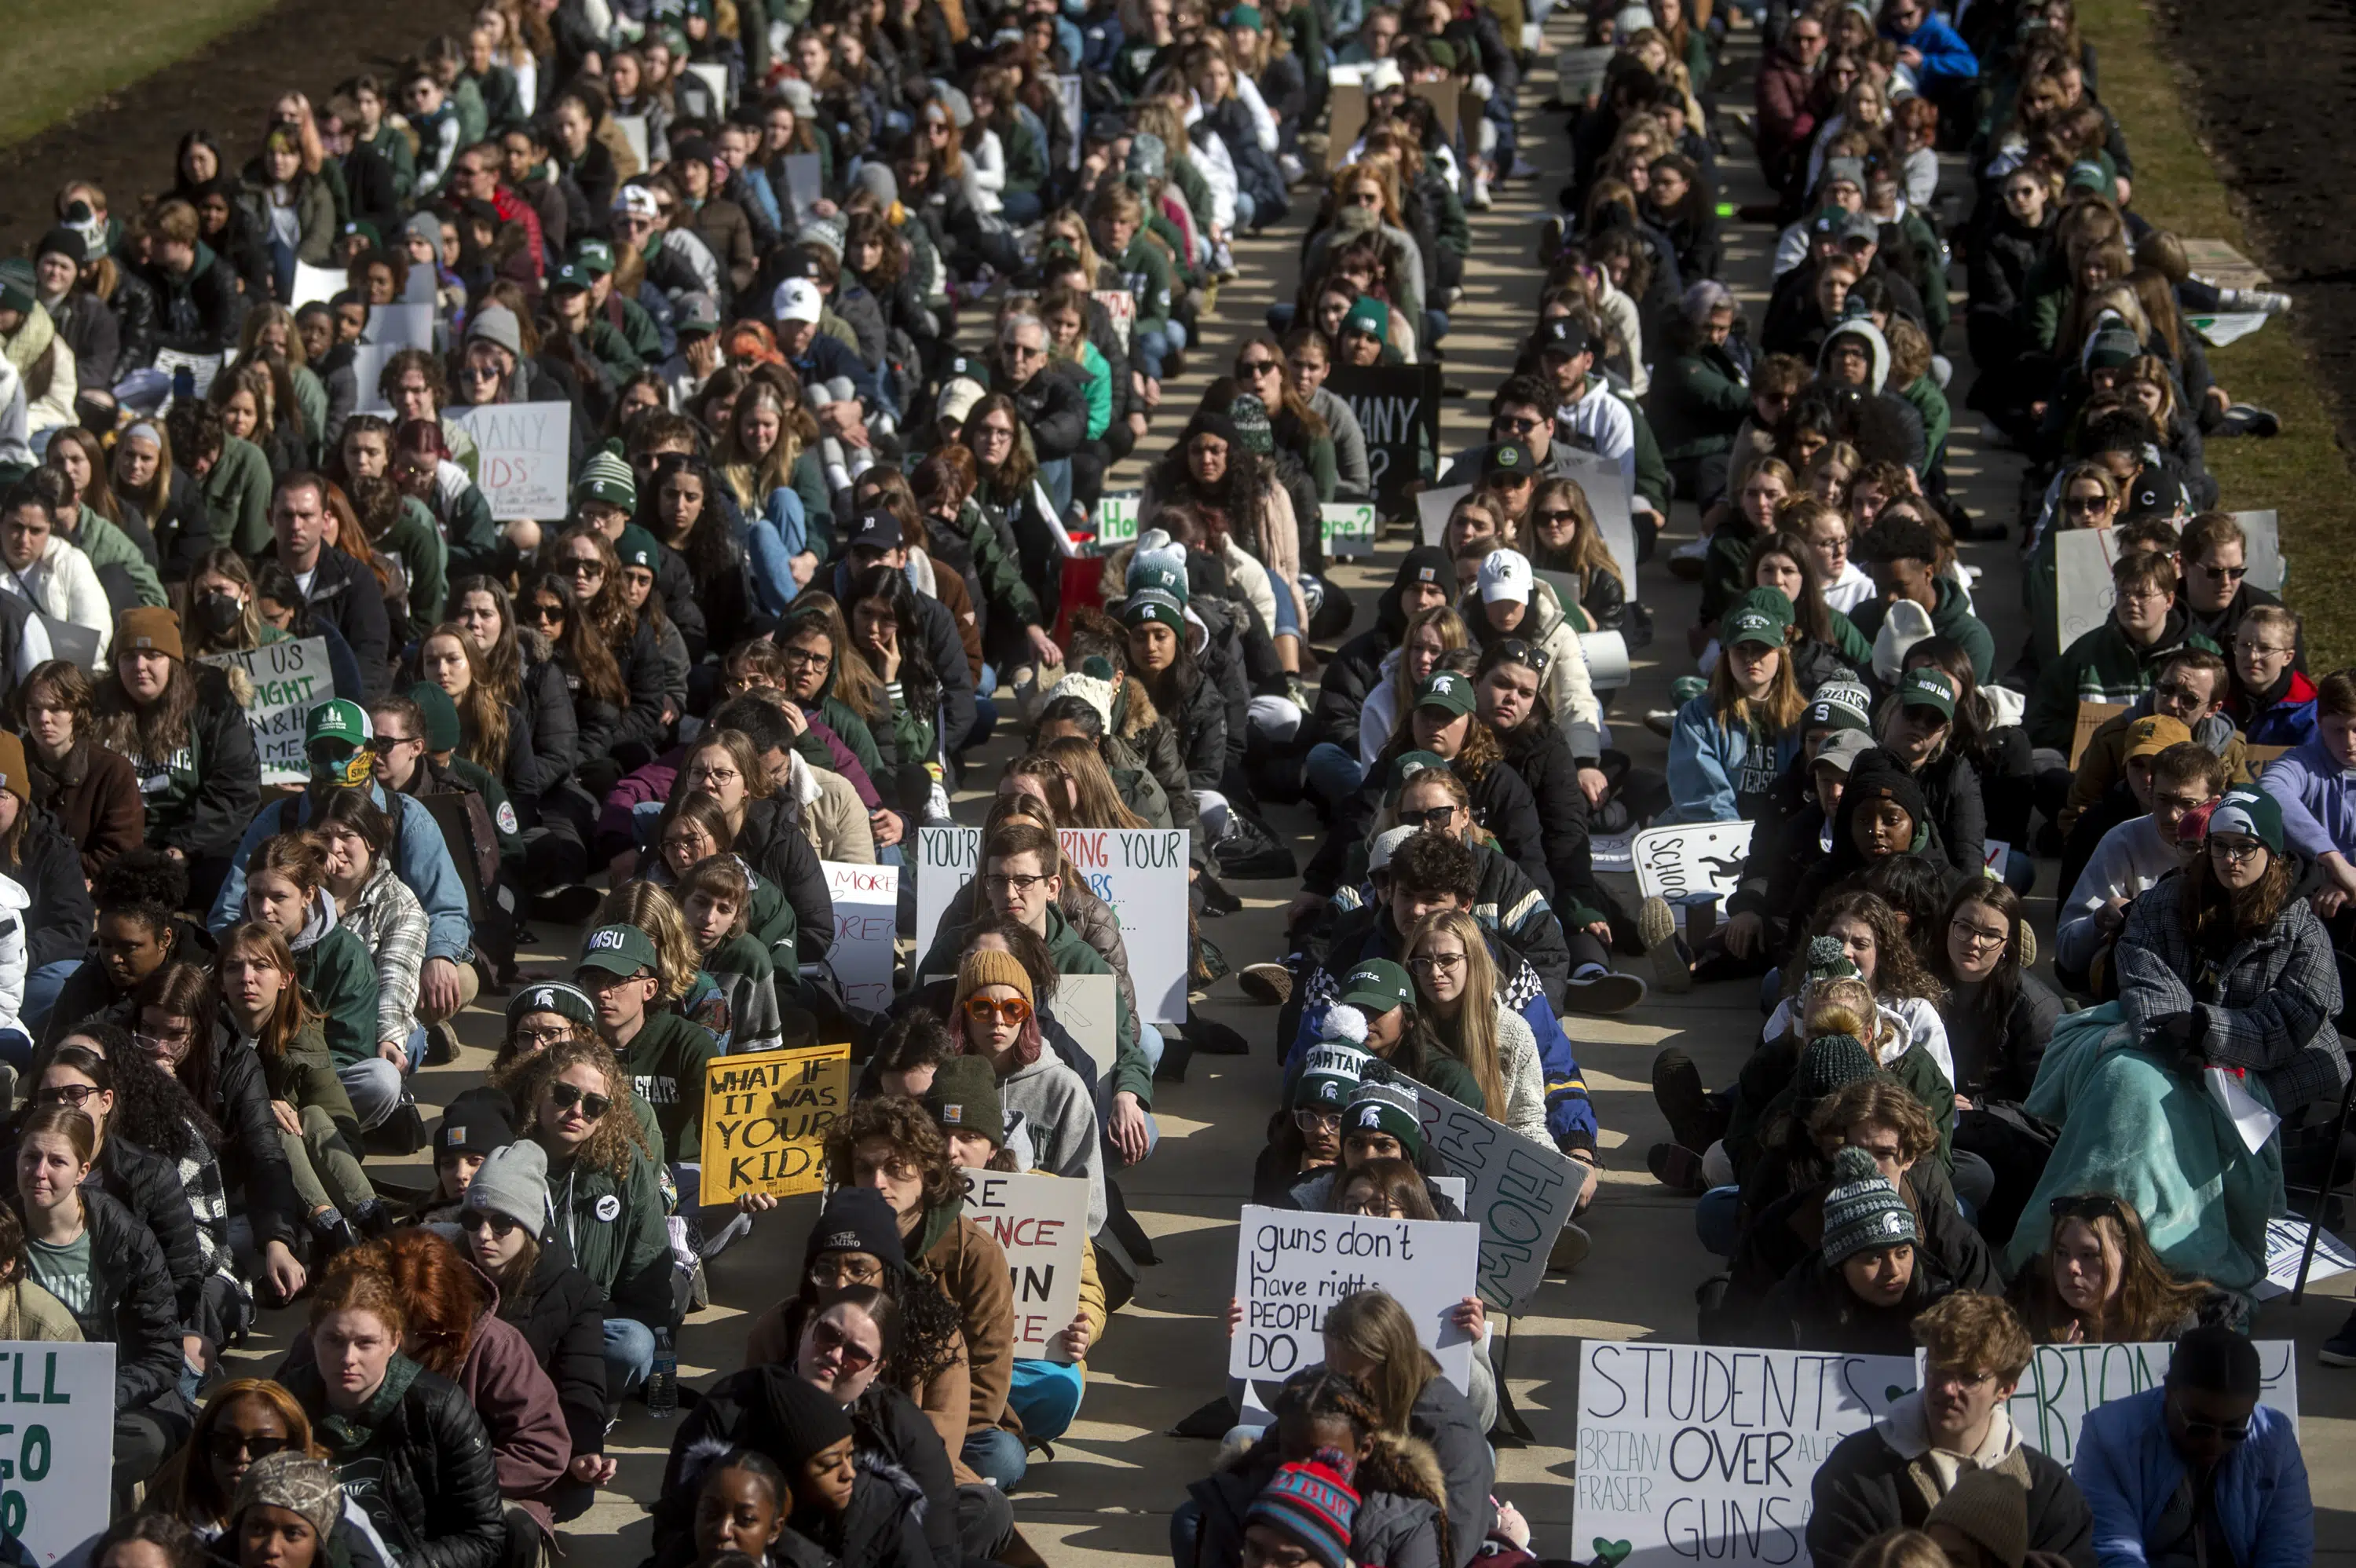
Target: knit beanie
[
  {"x": 1156, "y": 548},
  {"x": 441, "y": 733},
  {"x": 63, "y": 242},
  {"x": 1830, "y": 1064},
  {"x": 561, "y": 997},
  {"x": 150, "y": 626},
  {"x": 1828, "y": 960},
  {"x": 297, "y": 1482},
  {"x": 1850, "y": 699},
  {"x": 2248, "y": 809},
  {"x": 638, "y": 547},
  {"x": 1861, "y": 1209},
  {"x": 1878, "y": 777},
  {"x": 1250, "y": 416},
  {"x": 807, "y": 1421},
  {"x": 478, "y": 1122},
  {"x": 1329, "y": 1074},
  {"x": 1369, "y": 314},
  {"x": 1094, "y": 691},
  {"x": 964, "y": 1098},
  {"x": 496, "y": 323},
  {"x": 513, "y": 1181},
  {"x": 13, "y": 777},
  {"x": 1312, "y": 1502},
  {"x": 605, "y": 476},
  {"x": 1991, "y": 1511},
  {"x": 988, "y": 966},
  {"x": 1384, "y": 1103},
  {"x": 857, "y": 1220}
]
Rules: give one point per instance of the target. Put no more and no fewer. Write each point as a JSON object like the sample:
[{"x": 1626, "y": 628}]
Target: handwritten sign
[
  {"x": 1689, "y": 1453},
  {"x": 1519, "y": 1191},
  {"x": 2064, "y": 1382},
  {"x": 805, "y": 184},
  {"x": 1351, "y": 529},
  {"x": 1398, "y": 408},
  {"x": 289, "y": 679},
  {"x": 525, "y": 450},
  {"x": 2081, "y": 582},
  {"x": 56, "y": 1431},
  {"x": 866, "y": 919},
  {"x": 765, "y": 1117},
  {"x": 1042, "y": 1222},
  {"x": 201, "y": 367},
  {"x": 2285, "y": 1242},
  {"x": 1293, "y": 1268},
  {"x": 1120, "y": 305},
  {"x": 1140, "y": 871},
  {"x": 1116, "y": 520},
  {"x": 1673, "y": 863}
]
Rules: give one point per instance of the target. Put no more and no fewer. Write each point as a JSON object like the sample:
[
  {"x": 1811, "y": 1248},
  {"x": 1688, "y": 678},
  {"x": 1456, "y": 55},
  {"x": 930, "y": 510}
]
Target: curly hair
[
  {"x": 1897, "y": 973},
  {"x": 909, "y": 1129},
  {"x": 617, "y": 1138}
]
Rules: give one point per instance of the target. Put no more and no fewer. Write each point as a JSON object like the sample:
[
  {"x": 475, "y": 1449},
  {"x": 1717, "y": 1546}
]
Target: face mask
[
  {"x": 218, "y": 613},
  {"x": 353, "y": 773}
]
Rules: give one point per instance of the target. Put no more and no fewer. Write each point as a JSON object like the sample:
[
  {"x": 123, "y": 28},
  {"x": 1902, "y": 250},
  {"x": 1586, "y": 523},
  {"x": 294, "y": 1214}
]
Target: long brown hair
[
  {"x": 293, "y": 1012},
  {"x": 1372, "y": 1325},
  {"x": 581, "y": 642},
  {"x": 482, "y": 716},
  {"x": 99, "y": 494},
  {"x": 194, "y": 1498},
  {"x": 2151, "y": 1301},
  {"x": 1590, "y": 555},
  {"x": 154, "y": 733},
  {"x": 2216, "y": 916},
  {"x": 1783, "y": 705},
  {"x": 502, "y": 662},
  {"x": 1098, "y": 798}
]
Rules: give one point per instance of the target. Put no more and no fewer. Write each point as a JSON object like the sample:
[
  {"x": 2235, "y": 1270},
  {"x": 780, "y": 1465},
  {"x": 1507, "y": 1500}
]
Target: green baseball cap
[
  {"x": 341, "y": 720},
  {"x": 618, "y": 950},
  {"x": 1405, "y": 766},
  {"x": 1763, "y": 616},
  {"x": 571, "y": 275},
  {"x": 1446, "y": 689},
  {"x": 1376, "y": 987},
  {"x": 594, "y": 257},
  {"x": 1927, "y": 687}
]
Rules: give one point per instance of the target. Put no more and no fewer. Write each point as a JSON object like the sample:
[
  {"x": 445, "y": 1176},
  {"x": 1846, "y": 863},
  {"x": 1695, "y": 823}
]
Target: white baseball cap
[
  {"x": 957, "y": 398},
  {"x": 1386, "y": 844},
  {"x": 1504, "y": 574},
  {"x": 638, "y": 201},
  {"x": 796, "y": 299}
]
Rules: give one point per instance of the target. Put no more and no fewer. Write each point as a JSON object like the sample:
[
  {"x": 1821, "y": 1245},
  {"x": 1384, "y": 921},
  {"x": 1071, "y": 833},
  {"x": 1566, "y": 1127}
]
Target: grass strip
[{"x": 62, "y": 60}]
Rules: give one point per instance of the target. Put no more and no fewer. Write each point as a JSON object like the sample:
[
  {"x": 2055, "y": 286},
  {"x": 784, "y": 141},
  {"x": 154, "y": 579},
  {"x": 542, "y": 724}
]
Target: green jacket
[
  {"x": 770, "y": 922},
  {"x": 1003, "y": 590},
  {"x": 303, "y": 1075},
  {"x": 638, "y": 330},
  {"x": 1698, "y": 401},
  {"x": 664, "y": 1061},
  {"x": 1726, "y": 567},
  {"x": 392, "y": 144},
  {"x": 237, "y": 498},
  {"x": 2100, "y": 667},
  {"x": 1145, "y": 272},
  {"x": 612, "y": 350},
  {"x": 416, "y": 539},
  {"x": 337, "y": 975},
  {"x": 623, "y": 1246},
  {"x": 912, "y": 733},
  {"x": 475, "y": 545},
  {"x": 1937, "y": 418},
  {"x": 1951, "y": 617},
  {"x": 107, "y": 545},
  {"x": 1026, "y": 159}
]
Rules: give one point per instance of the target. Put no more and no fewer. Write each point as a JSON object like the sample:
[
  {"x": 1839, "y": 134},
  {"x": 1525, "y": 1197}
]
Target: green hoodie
[
  {"x": 417, "y": 540},
  {"x": 1951, "y": 617},
  {"x": 107, "y": 545},
  {"x": 2100, "y": 667},
  {"x": 666, "y": 1061},
  {"x": 616, "y": 1233},
  {"x": 237, "y": 498},
  {"x": 337, "y": 975}
]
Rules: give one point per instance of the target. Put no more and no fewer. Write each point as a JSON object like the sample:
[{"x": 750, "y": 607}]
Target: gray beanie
[
  {"x": 799, "y": 98},
  {"x": 426, "y": 227},
  {"x": 877, "y": 180},
  {"x": 514, "y": 1181},
  {"x": 496, "y": 323},
  {"x": 1862, "y": 1210}
]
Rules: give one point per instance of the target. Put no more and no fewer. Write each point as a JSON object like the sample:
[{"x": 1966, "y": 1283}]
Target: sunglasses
[
  {"x": 543, "y": 614},
  {"x": 1254, "y": 368},
  {"x": 72, "y": 1094},
  {"x": 1515, "y": 650},
  {"x": 565, "y": 1097},
  {"x": 2087, "y": 1206},
  {"x": 2237, "y": 1433},
  {"x": 478, "y": 1220},
  {"x": 1310, "y": 1121},
  {"x": 828, "y": 1340},
  {"x": 1430, "y": 816},
  {"x": 231, "y": 1445},
  {"x": 1014, "y": 1013},
  {"x": 384, "y": 745}
]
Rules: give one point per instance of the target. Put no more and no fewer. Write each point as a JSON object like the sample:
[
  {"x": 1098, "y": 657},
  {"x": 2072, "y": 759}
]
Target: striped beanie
[
  {"x": 1386, "y": 1104},
  {"x": 1862, "y": 1211},
  {"x": 605, "y": 476},
  {"x": 1313, "y": 1503}
]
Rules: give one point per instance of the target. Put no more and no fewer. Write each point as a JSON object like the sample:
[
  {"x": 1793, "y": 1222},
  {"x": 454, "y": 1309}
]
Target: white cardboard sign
[
  {"x": 290, "y": 678},
  {"x": 1140, "y": 871},
  {"x": 317, "y": 285},
  {"x": 201, "y": 367},
  {"x": 2286, "y": 1242},
  {"x": 2263, "y": 555},
  {"x": 1116, "y": 521},
  {"x": 1042, "y": 1224},
  {"x": 398, "y": 326},
  {"x": 1518, "y": 1190},
  {"x": 1121, "y": 306},
  {"x": 2082, "y": 594},
  {"x": 1087, "y": 1005},
  {"x": 526, "y": 452},
  {"x": 866, "y": 918},
  {"x": 1690, "y": 857},
  {"x": 1293, "y": 1268},
  {"x": 1611, "y": 492},
  {"x": 2064, "y": 1382},
  {"x": 1431, "y": 509},
  {"x": 57, "y": 1444}
]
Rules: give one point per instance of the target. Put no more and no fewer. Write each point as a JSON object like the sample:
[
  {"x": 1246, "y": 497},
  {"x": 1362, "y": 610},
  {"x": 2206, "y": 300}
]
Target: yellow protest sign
[{"x": 766, "y": 1116}]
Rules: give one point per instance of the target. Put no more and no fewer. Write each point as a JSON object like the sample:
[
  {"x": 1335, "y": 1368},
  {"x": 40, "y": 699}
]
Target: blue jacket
[
  {"x": 421, "y": 860},
  {"x": 2129, "y": 1471},
  {"x": 2318, "y": 797},
  {"x": 2289, "y": 723},
  {"x": 827, "y": 358},
  {"x": 1711, "y": 765},
  {"x": 1945, "y": 57}
]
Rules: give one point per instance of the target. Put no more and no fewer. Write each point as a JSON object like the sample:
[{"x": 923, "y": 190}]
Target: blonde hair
[
  {"x": 1374, "y": 1328},
  {"x": 653, "y": 911},
  {"x": 1472, "y": 1037}
]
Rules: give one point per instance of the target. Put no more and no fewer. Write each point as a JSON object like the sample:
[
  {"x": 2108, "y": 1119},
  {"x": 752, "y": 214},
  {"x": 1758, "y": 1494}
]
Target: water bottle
[{"x": 662, "y": 1380}]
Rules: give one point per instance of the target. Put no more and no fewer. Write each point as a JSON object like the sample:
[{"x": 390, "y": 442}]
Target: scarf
[{"x": 346, "y": 1435}]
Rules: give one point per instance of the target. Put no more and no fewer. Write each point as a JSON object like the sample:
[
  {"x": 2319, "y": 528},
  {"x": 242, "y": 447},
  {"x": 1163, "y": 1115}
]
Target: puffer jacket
[
  {"x": 1568, "y": 689},
  {"x": 1402, "y": 1518},
  {"x": 882, "y": 1527},
  {"x": 417, "y": 1458},
  {"x": 562, "y": 1315},
  {"x": 148, "y": 1185},
  {"x": 143, "y": 1316}
]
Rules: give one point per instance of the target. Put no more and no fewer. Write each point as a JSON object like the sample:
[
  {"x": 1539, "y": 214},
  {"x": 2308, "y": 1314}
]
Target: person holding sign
[{"x": 1893, "y": 1474}]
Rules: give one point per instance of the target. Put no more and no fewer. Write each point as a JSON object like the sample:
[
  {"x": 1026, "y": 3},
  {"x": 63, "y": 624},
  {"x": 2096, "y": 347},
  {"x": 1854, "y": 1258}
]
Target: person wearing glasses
[
  {"x": 994, "y": 1018},
  {"x": 2197, "y": 1469},
  {"x": 2273, "y": 701},
  {"x": 1894, "y": 1473},
  {"x": 2172, "y": 777},
  {"x": 2115, "y": 662},
  {"x": 2218, "y": 596}
]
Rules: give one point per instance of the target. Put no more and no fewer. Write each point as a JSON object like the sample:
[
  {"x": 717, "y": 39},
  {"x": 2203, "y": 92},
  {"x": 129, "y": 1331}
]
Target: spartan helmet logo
[
  {"x": 544, "y": 1001},
  {"x": 1370, "y": 1117},
  {"x": 1445, "y": 683}
]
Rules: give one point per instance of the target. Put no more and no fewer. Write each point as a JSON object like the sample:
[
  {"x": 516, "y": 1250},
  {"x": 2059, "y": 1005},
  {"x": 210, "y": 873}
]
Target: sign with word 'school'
[
  {"x": 2064, "y": 1382},
  {"x": 765, "y": 1118},
  {"x": 56, "y": 1446},
  {"x": 1042, "y": 1224},
  {"x": 290, "y": 678},
  {"x": 526, "y": 451},
  {"x": 1398, "y": 408},
  {"x": 1698, "y": 1454},
  {"x": 866, "y": 918},
  {"x": 1293, "y": 1268},
  {"x": 1140, "y": 871},
  {"x": 1519, "y": 1191}
]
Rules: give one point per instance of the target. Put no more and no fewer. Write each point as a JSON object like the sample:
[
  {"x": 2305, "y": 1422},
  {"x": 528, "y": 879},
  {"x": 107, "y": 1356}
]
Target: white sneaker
[
  {"x": 2262, "y": 300},
  {"x": 1293, "y": 170},
  {"x": 1479, "y": 200},
  {"x": 1692, "y": 550}
]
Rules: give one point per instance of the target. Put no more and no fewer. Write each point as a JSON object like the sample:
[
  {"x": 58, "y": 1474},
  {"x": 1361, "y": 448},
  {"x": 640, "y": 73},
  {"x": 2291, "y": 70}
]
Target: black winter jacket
[
  {"x": 1540, "y": 753},
  {"x": 1864, "y": 1487},
  {"x": 197, "y": 311},
  {"x": 57, "y": 922},
  {"x": 555, "y": 731},
  {"x": 345, "y": 595},
  {"x": 228, "y": 781},
  {"x": 253, "y": 1159},
  {"x": 562, "y": 1315},
  {"x": 148, "y": 1185},
  {"x": 780, "y": 851},
  {"x": 147, "y": 1356},
  {"x": 418, "y": 1459},
  {"x": 137, "y": 320}
]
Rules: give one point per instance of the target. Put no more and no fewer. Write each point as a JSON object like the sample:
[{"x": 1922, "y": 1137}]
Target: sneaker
[
  {"x": 1603, "y": 994},
  {"x": 2028, "y": 947},
  {"x": 1522, "y": 170},
  {"x": 1479, "y": 200},
  {"x": 2264, "y": 301},
  {"x": 1293, "y": 170},
  {"x": 1656, "y": 926},
  {"x": 1685, "y": 1104},
  {"x": 1661, "y": 722},
  {"x": 2340, "y": 1350},
  {"x": 441, "y": 1045},
  {"x": 1267, "y": 983},
  {"x": 1571, "y": 1248},
  {"x": 1675, "y": 1166},
  {"x": 1686, "y": 560},
  {"x": 2248, "y": 419}
]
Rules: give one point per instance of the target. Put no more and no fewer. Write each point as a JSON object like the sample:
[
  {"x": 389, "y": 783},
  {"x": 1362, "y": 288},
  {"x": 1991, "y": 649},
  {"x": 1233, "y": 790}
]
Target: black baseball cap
[
  {"x": 875, "y": 529},
  {"x": 1565, "y": 335}
]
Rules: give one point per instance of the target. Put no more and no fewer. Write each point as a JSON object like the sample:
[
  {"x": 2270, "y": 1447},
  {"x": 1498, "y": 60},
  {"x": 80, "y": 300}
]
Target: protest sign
[
  {"x": 1432, "y": 508},
  {"x": 368, "y": 377},
  {"x": 1610, "y": 492},
  {"x": 1086, "y": 1006},
  {"x": 2081, "y": 582},
  {"x": 1042, "y": 1224},
  {"x": 805, "y": 184},
  {"x": 290, "y": 678},
  {"x": 398, "y": 326},
  {"x": 2262, "y": 550},
  {"x": 2286, "y": 1243},
  {"x": 57, "y": 1445},
  {"x": 1351, "y": 529},
  {"x": 1293, "y": 1268},
  {"x": 2064, "y": 1382},
  {"x": 1141, "y": 872},
  {"x": 1398, "y": 408},
  {"x": 1519, "y": 1191},
  {"x": 201, "y": 367},
  {"x": 526, "y": 457},
  {"x": 1072, "y": 87},
  {"x": 1689, "y": 1453},
  {"x": 866, "y": 919},
  {"x": 1116, "y": 521},
  {"x": 1345, "y": 117},
  {"x": 317, "y": 285},
  {"x": 1121, "y": 306},
  {"x": 714, "y": 76},
  {"x": 1676, "y": 863},
  {"x": 633, "y": 128},
  {"x": 765, "y": 1120}
]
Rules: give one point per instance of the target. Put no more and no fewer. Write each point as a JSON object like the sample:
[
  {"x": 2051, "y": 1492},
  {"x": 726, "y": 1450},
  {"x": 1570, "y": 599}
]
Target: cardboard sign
[
  {"x": 1398, "y": 408},
  {"x": 1518, "y": 1190},
  {"x": 1692, "y": 1453},
  {"x": 765, "y": 1117},
  {"x": 633, "y": 132},
  {"x": 2262, "y": 554},
  {"x": 805, "y": 182},
  {"x": 1140, "y": 871},
  {"x": 1692, "y": 858},
  {"x": 714, "y": 76},
  {"x": 1087, "y": 1005},
  {"x": 2081, "y": 582},
  {"x": 1042, "y": 1222},
  {"x": 202, "y": 368},
  {"x": 289, "y": 679},
  {"x": 526, "y": 457},
  {"x": 398, "y": 326},
  {"x": 866, "y": 920},
  {"x": 2285, "y": 1242},
  {"x": 1350, "y": 528},
  {"x": 1610, "y": 492},
  {"x": 1432, "y": 509},
  {"x": 2092, "y": 716},
  {"x": 1121, "y": 306},
  {"x": 1293, "y": 1268},
  {"x": 1116, "y": 521},
  {"x": 57, "y": 1434},
  {"x": 2064, "y": 1382},
  {"x": 317, "y": 285}
]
